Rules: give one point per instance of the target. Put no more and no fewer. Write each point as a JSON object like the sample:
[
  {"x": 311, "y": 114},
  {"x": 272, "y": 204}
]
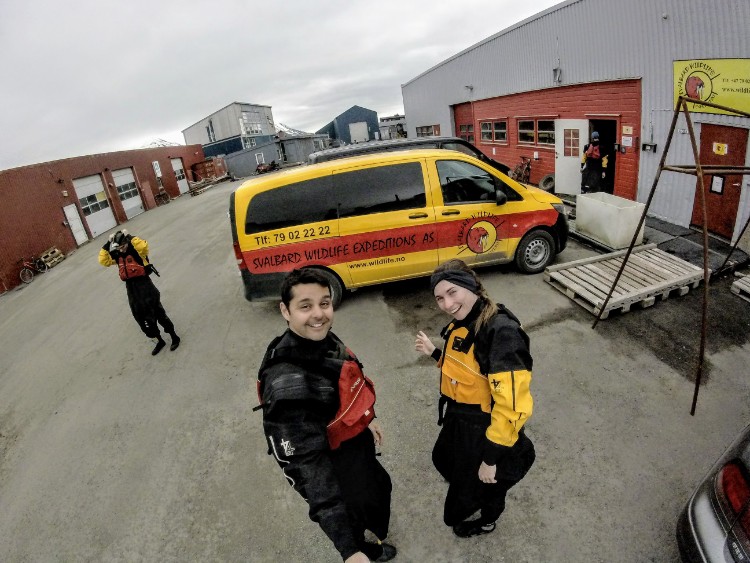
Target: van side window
[
  {"x": 512, "y": 194},
  {"x": 295, "y": 204},
  {"x": 462, "y": 182},
  {"x": 460, "y": 148},
  {"x": 380, "y": 189}
]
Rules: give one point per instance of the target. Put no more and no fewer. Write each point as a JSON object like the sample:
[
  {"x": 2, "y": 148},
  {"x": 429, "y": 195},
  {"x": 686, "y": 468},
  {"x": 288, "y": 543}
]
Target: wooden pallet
[
  {"x": 742, "y": 288},
  {"x": 52, "y": 256},
  {"x": 650, "y": 273}
]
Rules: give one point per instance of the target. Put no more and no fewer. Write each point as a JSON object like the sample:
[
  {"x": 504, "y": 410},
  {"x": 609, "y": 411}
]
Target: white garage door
[
  {"x": 358, "y": 132},
  {"x": 127, "y": 191},
  {"x": 93, "y": 199},
  {"x": 179, "y": 173}
]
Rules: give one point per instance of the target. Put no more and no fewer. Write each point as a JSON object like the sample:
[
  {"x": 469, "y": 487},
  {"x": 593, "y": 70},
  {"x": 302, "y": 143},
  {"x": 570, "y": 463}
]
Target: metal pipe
[
  {"x": 704, "y": 313},
  {"x": 739, "y": 238}
]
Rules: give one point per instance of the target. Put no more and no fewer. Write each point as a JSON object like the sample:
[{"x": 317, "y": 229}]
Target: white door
[
  {"x": 358, "y": 132},
  {"x": 179, "y": 173},
  {"x": 74, "y": 222},
  {"x": 127, "y": 191},
  {"x": 94, "y": 203},
  {"x": 570, "y": 136}
]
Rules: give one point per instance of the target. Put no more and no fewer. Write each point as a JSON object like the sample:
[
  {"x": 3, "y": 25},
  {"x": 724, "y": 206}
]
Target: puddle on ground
[{"x": 671, "y": 329}]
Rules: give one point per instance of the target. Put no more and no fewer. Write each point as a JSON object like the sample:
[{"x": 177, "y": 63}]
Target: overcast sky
[{"x": 88, "y": 76}]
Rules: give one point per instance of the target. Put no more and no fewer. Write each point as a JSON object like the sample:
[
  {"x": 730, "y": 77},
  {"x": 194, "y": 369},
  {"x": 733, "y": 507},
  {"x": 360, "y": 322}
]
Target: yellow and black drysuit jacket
[
  {"x": 143, "y": 296},
  {"x": 489, "y": 371},
  {"x": 140, "y": 246}
]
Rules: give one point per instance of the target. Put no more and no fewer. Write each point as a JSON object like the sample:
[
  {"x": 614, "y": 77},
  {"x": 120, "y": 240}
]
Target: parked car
[
  {"x": 448, "y": 143},
  {"x": 715, "y": 523}
]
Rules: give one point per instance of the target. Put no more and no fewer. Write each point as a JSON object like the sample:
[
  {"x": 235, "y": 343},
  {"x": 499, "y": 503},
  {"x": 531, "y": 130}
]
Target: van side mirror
[{"x": 500, "y": 197}]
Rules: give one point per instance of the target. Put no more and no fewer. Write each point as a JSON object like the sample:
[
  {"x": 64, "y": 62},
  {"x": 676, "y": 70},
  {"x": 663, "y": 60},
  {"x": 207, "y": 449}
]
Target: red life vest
[
  {"x": 130, "y": 268},
  {"x": 356, "y": 403},
  {"x": 356, "y": 392}
]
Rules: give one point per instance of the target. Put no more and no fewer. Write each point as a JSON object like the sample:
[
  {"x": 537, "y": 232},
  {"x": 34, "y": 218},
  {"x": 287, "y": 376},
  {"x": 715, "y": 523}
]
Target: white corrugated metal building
[{"x": 540, "y": 87}]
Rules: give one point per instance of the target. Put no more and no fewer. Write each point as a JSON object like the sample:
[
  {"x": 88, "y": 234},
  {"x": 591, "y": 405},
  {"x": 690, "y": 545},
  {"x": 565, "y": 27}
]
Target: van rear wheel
[
  {"x": 337, "y": 288},
  {"x": 547, "y": 183},
  {"x": 535, "y": 252}
]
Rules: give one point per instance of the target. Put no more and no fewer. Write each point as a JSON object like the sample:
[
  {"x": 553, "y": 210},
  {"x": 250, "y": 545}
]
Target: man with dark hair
[
  {"x": 319, "y": 421},
  {"x": 131, "y": 256}
]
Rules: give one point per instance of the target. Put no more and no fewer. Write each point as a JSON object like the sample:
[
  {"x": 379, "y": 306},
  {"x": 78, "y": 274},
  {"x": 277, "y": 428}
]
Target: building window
[
  {"x": 486, "y": 129},
  {"x": 545, "y": 132},
  {"x": 428, "y": 131},
  {"x": 259, "y": 158},
  {"x": 127, "y": 191},
  {"x": 494, "y": 131},
  {"x": 500, "y": 130},
  {"x": 210, "y": 131},
  {"x": 526, "y": 132},
  {"x": 466, "y": 132},
  {"x": 93, "y": 203},
  {"x": 572, "y": 141},
  {"x": 248, "y": 142},
  {"x": 179, "y": 174},
  {"x": 318, "y": 144},
  {"x": 250, "y": 123}
]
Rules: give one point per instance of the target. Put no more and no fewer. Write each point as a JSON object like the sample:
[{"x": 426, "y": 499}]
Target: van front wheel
[
  {"x": 535, "y": 252},
  {"x": 337, "y": 289}
]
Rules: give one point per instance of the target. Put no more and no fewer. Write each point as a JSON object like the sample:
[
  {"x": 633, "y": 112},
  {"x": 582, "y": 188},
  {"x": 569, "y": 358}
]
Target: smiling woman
[{"x": 485, "y": 400}]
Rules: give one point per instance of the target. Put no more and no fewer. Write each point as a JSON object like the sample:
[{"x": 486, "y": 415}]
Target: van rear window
[{"x": 294, "y": 204}]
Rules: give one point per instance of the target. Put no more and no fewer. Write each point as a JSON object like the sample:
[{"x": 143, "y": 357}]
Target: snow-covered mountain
[{"x": 160, "y": 143}]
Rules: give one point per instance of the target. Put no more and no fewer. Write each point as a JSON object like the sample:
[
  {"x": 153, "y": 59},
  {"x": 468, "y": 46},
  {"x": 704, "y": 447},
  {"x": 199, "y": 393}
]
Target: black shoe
[
  {"x": 159, "y": 345},
  {"x": 389, "y": 552},
  {"x": 473, "y": 528},
  {"x": 175, "y": 342},
  {"x": 378, "y": 551}
]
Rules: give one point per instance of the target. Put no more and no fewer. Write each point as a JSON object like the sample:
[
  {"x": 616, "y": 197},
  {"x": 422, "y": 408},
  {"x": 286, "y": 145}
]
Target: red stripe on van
[{"x": 390, "y": 242}]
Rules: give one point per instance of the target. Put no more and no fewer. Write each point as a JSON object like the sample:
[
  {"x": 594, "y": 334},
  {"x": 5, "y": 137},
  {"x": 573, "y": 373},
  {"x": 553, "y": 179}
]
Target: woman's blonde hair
[{"x": 489, "y": 308}]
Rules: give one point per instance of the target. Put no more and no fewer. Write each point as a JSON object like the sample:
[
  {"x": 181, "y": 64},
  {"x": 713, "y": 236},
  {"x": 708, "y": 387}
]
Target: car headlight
[{"x": 560, "y": 208}]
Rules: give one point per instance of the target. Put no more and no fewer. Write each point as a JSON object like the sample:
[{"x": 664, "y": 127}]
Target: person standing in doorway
[
  {"x": 593, "y": 166},
  {"x": 485, "y": 400},
  {"x": 130, "y": 254}
]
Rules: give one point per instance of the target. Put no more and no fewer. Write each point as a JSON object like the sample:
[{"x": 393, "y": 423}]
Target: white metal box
[{"x": 608, "y": 219}]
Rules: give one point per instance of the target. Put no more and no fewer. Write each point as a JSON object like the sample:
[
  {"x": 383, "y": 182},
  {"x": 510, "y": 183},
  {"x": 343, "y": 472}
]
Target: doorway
[
  {"x": 723, "y": 146},
  {"x": 607, "y": 129}
]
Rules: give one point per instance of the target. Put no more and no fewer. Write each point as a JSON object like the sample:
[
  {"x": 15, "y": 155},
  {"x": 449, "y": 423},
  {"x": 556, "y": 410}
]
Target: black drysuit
[
  {"x": 347, "y": 489},
  {"x": 143, "y": 296}
]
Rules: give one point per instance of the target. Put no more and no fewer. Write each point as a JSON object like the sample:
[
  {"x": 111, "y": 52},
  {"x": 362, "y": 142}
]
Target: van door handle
[
  {"x": 417, "y": 215},
  {"x": 452, "y": 212}
]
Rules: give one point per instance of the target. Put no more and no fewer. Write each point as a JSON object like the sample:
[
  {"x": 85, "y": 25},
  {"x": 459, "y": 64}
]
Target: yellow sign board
[
  {"x": 725, "y": 82},
  {"x": 721, "y": 149}
]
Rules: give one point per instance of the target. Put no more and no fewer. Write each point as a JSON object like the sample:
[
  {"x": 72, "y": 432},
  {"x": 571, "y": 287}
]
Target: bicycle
[
  {"x": 522, "y": 171},
  {"x": 162, "y": 198},
  {"x": 28, "y": 267}
]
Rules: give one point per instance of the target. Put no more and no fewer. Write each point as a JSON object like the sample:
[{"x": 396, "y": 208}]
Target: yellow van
[{"x": 389, "y": 216}]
